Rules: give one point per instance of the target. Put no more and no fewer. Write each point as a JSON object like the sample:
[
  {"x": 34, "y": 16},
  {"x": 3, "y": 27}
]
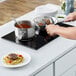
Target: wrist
[
  {"x": 74, "y": 15},
  {"x": 57, "y": 29}
]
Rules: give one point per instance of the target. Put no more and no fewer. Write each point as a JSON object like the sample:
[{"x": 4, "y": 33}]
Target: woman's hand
[
  {"x": 51, "y": 29},
  {"x": 69, "y": 32},
  {"x": 71, "y": 17}
]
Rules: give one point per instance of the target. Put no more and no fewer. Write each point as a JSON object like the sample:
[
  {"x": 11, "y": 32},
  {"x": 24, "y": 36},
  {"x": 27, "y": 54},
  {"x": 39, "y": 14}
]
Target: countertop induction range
[{"x": 37, "y": 41}]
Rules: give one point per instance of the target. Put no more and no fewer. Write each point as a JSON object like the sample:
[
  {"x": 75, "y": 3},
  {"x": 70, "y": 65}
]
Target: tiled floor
[{"x": 17, "y": 8}]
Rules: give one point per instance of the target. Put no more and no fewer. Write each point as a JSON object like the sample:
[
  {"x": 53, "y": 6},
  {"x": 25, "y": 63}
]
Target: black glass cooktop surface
[{"x": 36, "y": 42}]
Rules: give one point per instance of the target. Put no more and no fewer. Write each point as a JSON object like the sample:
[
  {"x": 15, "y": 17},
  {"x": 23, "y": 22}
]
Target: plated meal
[{"x": 13, "y": 59}]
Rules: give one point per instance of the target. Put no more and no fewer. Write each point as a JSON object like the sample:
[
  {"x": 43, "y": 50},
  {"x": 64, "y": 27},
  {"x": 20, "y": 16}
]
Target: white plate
[{"x": 26, "y": 56}]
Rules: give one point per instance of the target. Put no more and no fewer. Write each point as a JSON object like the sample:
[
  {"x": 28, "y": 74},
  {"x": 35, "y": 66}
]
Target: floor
[{"x": 17, "y": 8}]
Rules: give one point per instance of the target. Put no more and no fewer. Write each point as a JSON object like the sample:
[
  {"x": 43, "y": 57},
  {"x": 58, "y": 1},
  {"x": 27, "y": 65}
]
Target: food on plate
[
  {"x": 12, "y": 56},
  {"x": 13, "y": 59}
]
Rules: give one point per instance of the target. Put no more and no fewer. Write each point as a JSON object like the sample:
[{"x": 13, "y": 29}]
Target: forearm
[{"x": 69, "y": 32}]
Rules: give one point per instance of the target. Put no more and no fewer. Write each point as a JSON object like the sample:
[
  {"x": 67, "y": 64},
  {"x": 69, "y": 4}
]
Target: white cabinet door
[
  {"x": 70, "y": 72},
  {"x": 65, "y": 62},
  {"x": 48, "y": 71}
]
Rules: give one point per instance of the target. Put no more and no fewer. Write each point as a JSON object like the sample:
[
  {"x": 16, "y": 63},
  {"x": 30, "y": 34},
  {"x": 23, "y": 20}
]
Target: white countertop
[{"x": 40, "y": 58}]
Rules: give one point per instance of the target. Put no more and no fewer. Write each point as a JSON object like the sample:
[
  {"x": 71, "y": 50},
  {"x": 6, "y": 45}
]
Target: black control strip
[{"x": 64, "y": 25}]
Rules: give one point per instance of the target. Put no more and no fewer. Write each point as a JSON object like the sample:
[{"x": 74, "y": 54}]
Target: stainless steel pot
[{"x": 25, "y": 33}]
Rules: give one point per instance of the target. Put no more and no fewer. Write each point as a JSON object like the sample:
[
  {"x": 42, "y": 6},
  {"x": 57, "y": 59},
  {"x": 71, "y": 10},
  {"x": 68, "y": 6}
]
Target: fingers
[
  {"x": 50, "y": 29},
  {"x": 48, "y": 33},
  {"x": 47, "y": 30},
  {"x": 70, "y": 17}
]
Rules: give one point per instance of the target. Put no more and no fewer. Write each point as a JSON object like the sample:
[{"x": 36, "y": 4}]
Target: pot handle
[{"x": 37, "y": 29}]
